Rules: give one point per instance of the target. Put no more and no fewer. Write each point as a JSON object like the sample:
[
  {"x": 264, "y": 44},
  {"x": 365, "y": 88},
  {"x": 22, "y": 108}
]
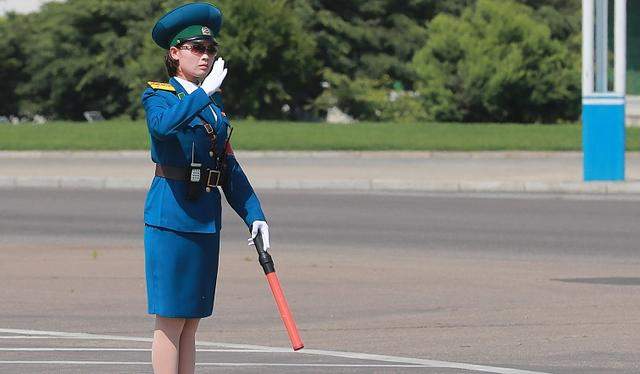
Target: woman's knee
[
  {"x": 190, "y": 325},
  {"x": 170, "y": 326}
]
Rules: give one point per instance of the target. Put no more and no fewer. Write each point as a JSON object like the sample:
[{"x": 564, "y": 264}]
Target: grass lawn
[{"x": 271, "y": 135}]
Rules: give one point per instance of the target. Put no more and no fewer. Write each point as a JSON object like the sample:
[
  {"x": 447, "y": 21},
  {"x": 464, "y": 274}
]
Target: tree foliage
[
  {"x": 365, "y": 47},
  {"x": 11, "y": 60},
  {"x": 468, "y": 59},
  {"x": 98, "y": 55},
  {"x": 86, "y": 55},
  {"x": 496, "y": 62},
  {"x": 270, "y": 58}
]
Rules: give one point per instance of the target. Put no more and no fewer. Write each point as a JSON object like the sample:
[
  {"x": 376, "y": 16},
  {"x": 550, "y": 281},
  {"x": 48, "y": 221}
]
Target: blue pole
[{"x": 603, "y": 137}]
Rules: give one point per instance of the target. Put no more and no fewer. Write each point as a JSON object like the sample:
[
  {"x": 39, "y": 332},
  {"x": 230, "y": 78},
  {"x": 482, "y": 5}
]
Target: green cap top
[
  {"x": 169, "y": 29},
  {"x": 191, "y": 33}
]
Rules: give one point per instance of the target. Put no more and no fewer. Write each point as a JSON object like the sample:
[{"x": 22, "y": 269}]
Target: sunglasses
[{"x": 200, "y": 48}]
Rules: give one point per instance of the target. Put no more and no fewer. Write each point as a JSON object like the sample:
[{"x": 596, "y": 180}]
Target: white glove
[
  {"x": 263, "y": 228},
  {"x": 213, "y": 81}
]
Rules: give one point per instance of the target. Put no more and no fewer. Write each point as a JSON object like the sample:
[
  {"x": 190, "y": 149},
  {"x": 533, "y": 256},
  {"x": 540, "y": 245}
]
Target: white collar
[{"x": 188, "y": 86}]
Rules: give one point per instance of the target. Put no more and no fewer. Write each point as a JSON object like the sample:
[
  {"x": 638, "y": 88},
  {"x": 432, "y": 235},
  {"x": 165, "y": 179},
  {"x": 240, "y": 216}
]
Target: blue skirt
[{"x": 181, "y": 270}]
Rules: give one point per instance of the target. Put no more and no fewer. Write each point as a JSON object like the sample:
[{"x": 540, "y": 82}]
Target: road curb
[
  {"x": 601, "y": 188},
  {"x": 515, "y": 155}
]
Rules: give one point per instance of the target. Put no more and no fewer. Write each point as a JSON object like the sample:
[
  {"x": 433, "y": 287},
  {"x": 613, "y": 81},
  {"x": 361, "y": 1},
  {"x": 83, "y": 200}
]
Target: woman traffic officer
[{"x": 190, "y": 146}]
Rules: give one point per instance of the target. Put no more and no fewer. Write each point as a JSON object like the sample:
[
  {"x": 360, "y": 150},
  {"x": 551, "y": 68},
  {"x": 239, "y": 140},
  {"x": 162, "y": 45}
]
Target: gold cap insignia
[{"x": 206, "y": 31}]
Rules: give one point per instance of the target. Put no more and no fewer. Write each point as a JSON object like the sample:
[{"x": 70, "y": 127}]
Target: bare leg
[
  {"x": 188, "y": 347},
  {"x": 166, "y": 345}
]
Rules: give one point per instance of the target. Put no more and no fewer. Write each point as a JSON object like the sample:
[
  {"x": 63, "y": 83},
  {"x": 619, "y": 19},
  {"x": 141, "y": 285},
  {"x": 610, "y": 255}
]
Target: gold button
[{"x": 208, "y": 189}]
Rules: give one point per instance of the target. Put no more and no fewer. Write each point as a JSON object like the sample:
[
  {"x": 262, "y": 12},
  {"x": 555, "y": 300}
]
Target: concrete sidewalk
[{"x": 554, "y": 172}]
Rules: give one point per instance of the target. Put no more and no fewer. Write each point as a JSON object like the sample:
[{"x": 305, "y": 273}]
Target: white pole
[
  {"x": 587, "y": 47},
  {"x": 620, "y": 47},
  {"x": 602, "y": 45}
]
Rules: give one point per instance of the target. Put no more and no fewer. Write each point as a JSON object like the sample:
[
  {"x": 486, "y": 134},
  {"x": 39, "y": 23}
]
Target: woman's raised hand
[{"x": 213, "y": 81}]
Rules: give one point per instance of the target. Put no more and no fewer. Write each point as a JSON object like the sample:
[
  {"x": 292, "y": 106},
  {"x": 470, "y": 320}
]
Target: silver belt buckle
[{"x": 215, "y": 175}]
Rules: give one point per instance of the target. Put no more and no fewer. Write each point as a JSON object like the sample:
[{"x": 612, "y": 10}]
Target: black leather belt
[{"x": 212, "y": 177}]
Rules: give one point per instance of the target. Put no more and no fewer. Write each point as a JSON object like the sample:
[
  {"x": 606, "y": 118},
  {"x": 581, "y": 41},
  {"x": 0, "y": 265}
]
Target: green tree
[
  {"x": 98, "y": 55},
  {"x": 81, "y": 55},
  {"x": 496, "y": 62},
  {"x": 12, "y": 27},
  {"x": 562, "y": 16},
  {"x": 270, "y": 57},
  {"x": 364, "y": 47}
]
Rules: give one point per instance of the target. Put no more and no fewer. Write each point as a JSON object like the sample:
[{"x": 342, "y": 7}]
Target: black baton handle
[{"x": 263, "y": 257}]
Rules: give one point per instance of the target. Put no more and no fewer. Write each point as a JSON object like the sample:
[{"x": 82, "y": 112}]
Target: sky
[{"x": 20, "y": 6}]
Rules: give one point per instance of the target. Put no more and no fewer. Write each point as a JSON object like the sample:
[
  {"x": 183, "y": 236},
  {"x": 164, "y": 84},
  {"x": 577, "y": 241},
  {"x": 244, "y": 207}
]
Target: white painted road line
[
  {"x": 36, "y": 337},
  {"x": 122, "y": 350},
  {"x": 317, "y": 352},
  {"x": 245, "y": 364},
  {"x": 309, "y": 365}
]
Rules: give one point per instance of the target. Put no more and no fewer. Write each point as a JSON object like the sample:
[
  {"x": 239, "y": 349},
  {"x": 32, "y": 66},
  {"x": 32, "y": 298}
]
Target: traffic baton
[{"x": 270, "y": 271}]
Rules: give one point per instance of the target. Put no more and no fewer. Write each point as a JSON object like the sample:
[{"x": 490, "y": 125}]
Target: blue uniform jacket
[{"x": 174, "y": 125}]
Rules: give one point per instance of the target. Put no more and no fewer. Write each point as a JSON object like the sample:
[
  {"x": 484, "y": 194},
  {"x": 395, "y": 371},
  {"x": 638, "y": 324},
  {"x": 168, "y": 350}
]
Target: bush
[
  {"x": 496, "y": 63},
  {"x": 371, "y": 99}
]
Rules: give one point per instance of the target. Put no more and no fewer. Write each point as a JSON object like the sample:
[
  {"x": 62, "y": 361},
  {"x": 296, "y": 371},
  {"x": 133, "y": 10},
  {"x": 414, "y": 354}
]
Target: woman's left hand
[{"x": 263, "y": 229}]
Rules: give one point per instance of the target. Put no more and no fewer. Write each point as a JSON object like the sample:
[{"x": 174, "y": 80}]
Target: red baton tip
[{"x": 285, "y": 313}]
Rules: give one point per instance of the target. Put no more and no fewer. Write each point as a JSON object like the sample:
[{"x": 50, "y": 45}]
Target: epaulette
[{"x": 161, "y": 86}]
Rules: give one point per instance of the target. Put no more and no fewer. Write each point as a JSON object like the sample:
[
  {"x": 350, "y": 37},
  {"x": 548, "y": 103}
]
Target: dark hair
[{"x": 171, "y": 64}]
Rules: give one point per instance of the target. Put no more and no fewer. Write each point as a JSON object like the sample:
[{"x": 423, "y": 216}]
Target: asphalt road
[{"x": 539, "y": 283}]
